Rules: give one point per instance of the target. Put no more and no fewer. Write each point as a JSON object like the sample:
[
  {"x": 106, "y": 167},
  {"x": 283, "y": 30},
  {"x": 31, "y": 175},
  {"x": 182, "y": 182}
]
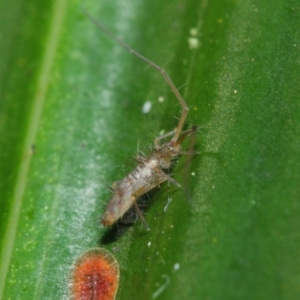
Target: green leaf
[{"x": 71, "y": 115}]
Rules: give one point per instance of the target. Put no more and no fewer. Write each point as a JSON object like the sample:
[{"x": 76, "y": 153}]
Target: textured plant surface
[{"x": 71, "y": 115}]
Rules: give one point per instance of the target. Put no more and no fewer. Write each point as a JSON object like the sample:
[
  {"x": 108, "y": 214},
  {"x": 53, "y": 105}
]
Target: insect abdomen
[{"x": 126, "y": 192}]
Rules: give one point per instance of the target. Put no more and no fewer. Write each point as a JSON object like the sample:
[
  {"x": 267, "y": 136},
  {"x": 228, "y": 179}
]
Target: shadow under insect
[
  {"x": 151, "y": 170},
  {"x": 119, "y": 228},
  {"x": 138, "y": 189}
]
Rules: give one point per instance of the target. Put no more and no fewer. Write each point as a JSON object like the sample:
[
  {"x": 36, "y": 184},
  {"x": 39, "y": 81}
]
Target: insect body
[
  {"x": 147, "y": 175},
  {"x": 149, "y": 172}
]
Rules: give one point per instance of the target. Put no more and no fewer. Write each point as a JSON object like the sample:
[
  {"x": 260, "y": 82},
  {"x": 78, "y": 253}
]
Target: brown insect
[{"x": 149, "y": 172}]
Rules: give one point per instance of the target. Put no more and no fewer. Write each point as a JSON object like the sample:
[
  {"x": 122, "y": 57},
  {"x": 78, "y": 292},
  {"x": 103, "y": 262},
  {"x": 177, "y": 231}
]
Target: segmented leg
[
  {"x": 164, "y": 74},
  {"x": 161, "y": 137},
  {"x": 140, "y": 214}
]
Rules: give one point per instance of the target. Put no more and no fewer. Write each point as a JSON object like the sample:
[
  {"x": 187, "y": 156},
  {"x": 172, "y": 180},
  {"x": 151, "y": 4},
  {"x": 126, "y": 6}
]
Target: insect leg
[
  {"x": 187, "y": 133},
  {"x": 140, "y": 214},
  {"x": 161, "y": 137},
  {"x": 164, "y": 74},
  {"x": 167, "y": 177},
  {"x": 142, "y": 191},
  {"x": 189, "y": 153},
  {"x": 134, "y": 197}
]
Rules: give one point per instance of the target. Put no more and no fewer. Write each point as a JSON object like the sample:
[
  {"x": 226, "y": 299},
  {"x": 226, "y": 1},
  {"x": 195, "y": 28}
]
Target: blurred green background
[{"x": 71, "y": 115}]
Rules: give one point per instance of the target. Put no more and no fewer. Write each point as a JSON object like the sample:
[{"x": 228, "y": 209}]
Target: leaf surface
[{"x": 71, "y": 115}]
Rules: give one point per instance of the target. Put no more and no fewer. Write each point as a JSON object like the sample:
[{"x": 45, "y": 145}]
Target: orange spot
[{"x": 95, "y": 276}]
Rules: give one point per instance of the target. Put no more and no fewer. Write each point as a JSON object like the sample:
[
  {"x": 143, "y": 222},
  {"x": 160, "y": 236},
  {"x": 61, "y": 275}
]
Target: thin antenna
[{"x": 185, "y": 108}]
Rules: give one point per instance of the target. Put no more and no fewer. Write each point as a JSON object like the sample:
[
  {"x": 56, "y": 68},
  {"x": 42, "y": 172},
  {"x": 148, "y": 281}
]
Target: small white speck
[
  {"x": 149, "y": 244},
  {"x": 161, "y": 99},
  {"x": 235, "y": 91},
  {"x": 193, "y": 173},
  {"x": 146, "y": 107},
  {"x": 193, "y": 42},
  {"x": 176, "y": 267},
  {"x": 193, "y": 31}
]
